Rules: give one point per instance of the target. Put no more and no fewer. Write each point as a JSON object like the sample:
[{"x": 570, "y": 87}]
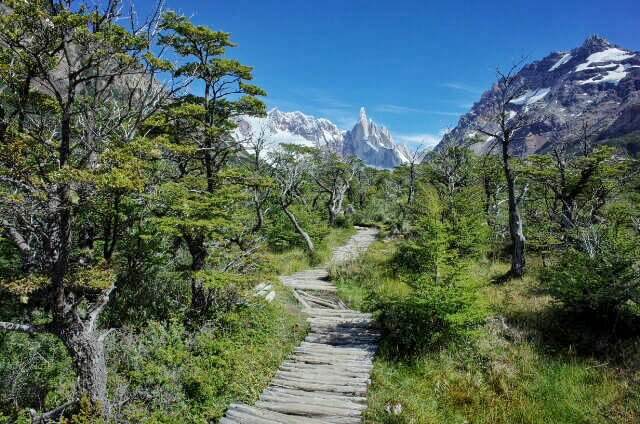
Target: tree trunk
[
  {"x": 199, "y": 302},
  {"x": 86, "y": 347},
  {"x": 412, "y": 185},
  {"x": 310, "y": 247},
  {"x": 258, "y": 203},
  {"x": 333, "y": 216},
  {"x": 259, "y": 219},
  {"x": 515, "y": 221}
]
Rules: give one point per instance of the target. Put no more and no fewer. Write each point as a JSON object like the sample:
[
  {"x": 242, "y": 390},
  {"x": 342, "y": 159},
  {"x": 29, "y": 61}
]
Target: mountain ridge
[
  {"x": 597, "y": 82},
  {"x": 369, "y": 141}
]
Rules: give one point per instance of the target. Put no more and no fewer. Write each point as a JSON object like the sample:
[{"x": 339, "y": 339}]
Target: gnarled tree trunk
[{"x": 86, "y": 347}]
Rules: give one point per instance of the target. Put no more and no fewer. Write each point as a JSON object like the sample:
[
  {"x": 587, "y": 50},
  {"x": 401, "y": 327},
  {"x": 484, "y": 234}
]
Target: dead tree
[
  {"x": 291, "y": 164},
  {"x": 503, "y": 126},
  {"x": 260, "y": 188},
  {"x": 415, "y": 158},
  {"x": 333, "y": 174}
]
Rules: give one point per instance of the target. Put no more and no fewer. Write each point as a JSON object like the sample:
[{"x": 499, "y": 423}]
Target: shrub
[
  {"x": 602, "y": 279},
  {"x": 281, "y": 235},
  {"x": 434, "y": 314},
  {"x": 425, "y": 251}
]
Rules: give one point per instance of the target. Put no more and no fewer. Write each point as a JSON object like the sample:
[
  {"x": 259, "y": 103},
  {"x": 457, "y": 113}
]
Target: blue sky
[{"x": 416, "y": 66}]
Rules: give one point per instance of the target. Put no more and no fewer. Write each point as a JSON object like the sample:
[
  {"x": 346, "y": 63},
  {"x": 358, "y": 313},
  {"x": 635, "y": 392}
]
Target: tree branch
[
  {"x": 99, "y": 306},
  {"x": 23, "y": 328}
]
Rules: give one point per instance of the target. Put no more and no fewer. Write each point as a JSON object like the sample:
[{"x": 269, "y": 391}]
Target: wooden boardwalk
[{"x": 326, "y": 378}]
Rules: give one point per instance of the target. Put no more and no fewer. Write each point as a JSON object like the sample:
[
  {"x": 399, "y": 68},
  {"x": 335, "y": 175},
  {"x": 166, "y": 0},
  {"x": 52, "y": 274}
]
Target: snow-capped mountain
[
  {"x": 597, "y": 82},
  {"x": 373, "y": 144},
  {"x": 370, "y": 142},
  {"x": 292, "y": 128}
]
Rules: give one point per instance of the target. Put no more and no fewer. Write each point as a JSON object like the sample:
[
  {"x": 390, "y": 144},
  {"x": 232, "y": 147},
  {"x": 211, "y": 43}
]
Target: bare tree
[
  {"x": 416, "y": 155},
  {"x": 333, "y": 174},
  {"x": 291, "y": 164},
  {"x": 503, "y": 126},
  {"x": 257, "y": 145}
]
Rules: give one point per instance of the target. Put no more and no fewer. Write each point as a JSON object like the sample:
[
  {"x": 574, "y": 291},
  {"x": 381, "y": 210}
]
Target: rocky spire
[
  {"x": 596, "y": 42},
  {"x": 364, "y": 123}
]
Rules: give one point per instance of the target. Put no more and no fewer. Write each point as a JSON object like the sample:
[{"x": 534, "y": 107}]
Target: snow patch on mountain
[
  {"x": 531, "y": 96},
  {"x": 613, "y": 76},
  {"x": 609, "y": 55},
  {"x": 564, "y": 59},
  {"x": 597, "y": 81}
]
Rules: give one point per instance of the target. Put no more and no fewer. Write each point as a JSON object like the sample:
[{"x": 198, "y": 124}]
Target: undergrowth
[{"x": 528, "y": 363}]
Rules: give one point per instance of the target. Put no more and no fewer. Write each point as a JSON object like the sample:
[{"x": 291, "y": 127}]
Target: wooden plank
[
  {"x": 326, "y": 378},
  {"x": 316, "y": 394},
  {"x": 306, "y": 409},
  {"x": 242, "y": 410},
  {"x": 309, "y": 387},
  {"x": 300, "y": 299},
  {"x": 311, "y": 399}
]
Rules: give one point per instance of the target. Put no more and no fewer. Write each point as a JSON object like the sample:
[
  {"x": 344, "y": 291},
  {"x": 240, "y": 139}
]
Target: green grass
[
  {"x": 193, "y": 380},
  {"x": 521, "y": 367},
  {"x": 294, "y": 260},
  {"x": 174, "y": 375}
]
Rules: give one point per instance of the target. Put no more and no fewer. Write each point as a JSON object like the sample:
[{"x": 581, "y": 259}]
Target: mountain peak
[
  {"x": 363, "y": 114},
  {"x": 368, "y": 141},
  {"x": 596, "y": 42},
  {"x": 597, "y": 81}
]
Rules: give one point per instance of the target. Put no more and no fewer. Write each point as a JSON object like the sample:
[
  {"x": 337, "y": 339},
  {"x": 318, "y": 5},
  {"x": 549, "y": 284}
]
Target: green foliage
[
  {"x": 281, "y": 234},
  {"x": 434, "y": 314},
  {"x": 427, "y": 251},
  {"x": 192, "y": 378},
  {"x": 603, "y": 281},
  {"x": 35, "y": 372},
  {"x": 9, "y": 258}
]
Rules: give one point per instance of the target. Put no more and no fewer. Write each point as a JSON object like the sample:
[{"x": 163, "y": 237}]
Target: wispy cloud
[
  {"x": 341, "y": 117},
  {"x": 389, "y": 108},
  {"x": 418, "y": 140},
  {"x": 462, "y": 87}
]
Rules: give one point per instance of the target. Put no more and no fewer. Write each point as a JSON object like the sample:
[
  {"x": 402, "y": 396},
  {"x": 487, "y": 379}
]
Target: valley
[{"x": 201, "y": 223}]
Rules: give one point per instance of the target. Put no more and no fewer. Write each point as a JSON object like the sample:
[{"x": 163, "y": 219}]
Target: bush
[
  {"x": 603, "y": 282},
  {"x": 434, "y": 314},
  {"x": 425, "y": 251},
  {"x": 281, "y": 235}
]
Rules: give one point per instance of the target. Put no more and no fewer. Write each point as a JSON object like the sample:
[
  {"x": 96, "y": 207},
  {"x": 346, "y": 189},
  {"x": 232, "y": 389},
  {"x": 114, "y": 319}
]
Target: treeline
[
  {"x": 572, "y": 215},
  {"x": 131, "y": 218}
]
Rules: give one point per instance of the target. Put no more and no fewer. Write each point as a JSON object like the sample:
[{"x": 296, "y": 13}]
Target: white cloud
[
  {"x": 418, "y": 140},
  {"x": 462, "y": 87},
  {"x": 397, "y": 109}
]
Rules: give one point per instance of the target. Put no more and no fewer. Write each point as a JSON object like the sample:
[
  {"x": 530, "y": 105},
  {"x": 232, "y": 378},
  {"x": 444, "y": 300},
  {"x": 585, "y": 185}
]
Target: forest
[{"x": 134, "y": 229}]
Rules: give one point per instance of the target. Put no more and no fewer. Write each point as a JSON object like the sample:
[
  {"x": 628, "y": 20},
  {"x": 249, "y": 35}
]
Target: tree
[
  {"x": 450, "y": 171},
  {"x": 503, "y": 126},
  {"x": 199, "y": 194},
  {"x": 576, "y": 180},
  {"x": 415, "y": 158},
  {"x": 493, "y": 185},
  {"x": 260, "y": 183},
  {"x": 291, "y": 164},
  {"x": 76, "y": 88},
  {"x": 333, "y": 174}
]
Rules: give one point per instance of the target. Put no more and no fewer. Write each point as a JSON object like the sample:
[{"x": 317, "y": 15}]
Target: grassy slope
[{"x": 513, "y": 371}]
